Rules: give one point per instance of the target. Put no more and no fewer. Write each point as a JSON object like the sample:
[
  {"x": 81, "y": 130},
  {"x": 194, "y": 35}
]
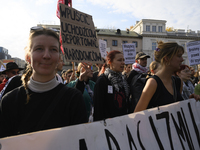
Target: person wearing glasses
[
  {"x": 85, "y": 85},
  {"x": 12, "y": 69},
  {"x": 42, "y": 102}
]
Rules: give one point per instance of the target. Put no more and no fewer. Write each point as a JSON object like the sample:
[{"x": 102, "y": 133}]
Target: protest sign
[
  {"x": 102, "y": 48},
  {"x": 174, "y": 126},
  {"x": 79, "y": 37},
  {"x": 129, "y": 53},
  {"x": 3, "y": 64},
  {"x": 193, "y": 51}
]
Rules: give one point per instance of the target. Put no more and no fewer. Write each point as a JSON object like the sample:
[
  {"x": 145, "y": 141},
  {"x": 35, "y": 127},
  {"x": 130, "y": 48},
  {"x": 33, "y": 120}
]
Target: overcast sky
[{"x": 17, "y": 16}]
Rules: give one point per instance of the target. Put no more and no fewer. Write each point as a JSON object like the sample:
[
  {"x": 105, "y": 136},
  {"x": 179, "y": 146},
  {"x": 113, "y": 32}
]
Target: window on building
[
  {"x": 159, "y": 28},
  {"x": 105, "y": 40},
  {"x": 124, "y": 42},
  {"x": 147, "y": 28},
  {"x": 153, "y": 45},
  {"x": 114, "y": 42},
  {"x": 153, "y": 28},
  {"x": 136, "y": 44}
]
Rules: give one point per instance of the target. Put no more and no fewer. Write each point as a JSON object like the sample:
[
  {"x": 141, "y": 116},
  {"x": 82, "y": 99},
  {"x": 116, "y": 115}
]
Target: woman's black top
[
  {"x": 19, "y": 117},
  {"x": 162, "y": 95}
]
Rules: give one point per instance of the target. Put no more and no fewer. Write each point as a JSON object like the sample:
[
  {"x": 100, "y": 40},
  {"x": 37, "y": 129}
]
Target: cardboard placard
[
  {"x": 175, "y": 126},
  {"x": 79, "y": 37},
  {"x": 129, "y": 51},
  {"x": 193, "y": 51}
]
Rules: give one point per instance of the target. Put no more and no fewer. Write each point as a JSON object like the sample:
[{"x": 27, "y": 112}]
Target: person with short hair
[
  {"x": 11, "y": 70},
  {"x": 139, "y": 66},
  {"x": 194, "y": 76},
  {"x": 42, "y": 102}
]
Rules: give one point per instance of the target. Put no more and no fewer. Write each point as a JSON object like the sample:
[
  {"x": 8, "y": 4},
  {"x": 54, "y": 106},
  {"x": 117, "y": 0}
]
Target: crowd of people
[{"x": 39, "y": 98}]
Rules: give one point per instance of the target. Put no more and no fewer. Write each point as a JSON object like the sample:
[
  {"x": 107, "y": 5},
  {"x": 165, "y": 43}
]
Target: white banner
[
  {"x": 175, "y": 126},
  {"x": 193, "y": 51},
  {"x": 102, "y": 48},
  {"x": 129, "y": 53}
]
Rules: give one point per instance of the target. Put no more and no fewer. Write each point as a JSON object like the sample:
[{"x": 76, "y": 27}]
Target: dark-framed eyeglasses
[{"x": 35, "y": 28}]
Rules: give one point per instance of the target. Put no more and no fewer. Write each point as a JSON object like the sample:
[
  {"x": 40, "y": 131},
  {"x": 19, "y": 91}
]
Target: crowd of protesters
[{"x": 39, "y": 98}]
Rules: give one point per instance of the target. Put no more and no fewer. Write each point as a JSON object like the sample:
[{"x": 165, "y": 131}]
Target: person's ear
[
  {"x": 136, "y": 61},
  {"x": 28, "y": 58}
]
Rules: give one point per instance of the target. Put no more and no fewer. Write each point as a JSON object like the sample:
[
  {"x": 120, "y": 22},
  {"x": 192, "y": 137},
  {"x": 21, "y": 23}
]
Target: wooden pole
[{"x": 3, "y": 64}]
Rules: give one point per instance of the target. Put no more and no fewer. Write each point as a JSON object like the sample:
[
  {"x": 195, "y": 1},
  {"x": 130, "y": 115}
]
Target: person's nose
[{"x": 46, "y": 53}]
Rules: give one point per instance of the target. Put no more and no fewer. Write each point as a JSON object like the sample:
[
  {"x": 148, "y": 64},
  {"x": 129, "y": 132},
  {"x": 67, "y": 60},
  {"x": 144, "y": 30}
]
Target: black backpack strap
[
  {"x": 50, "y": 109},
  {"x": 174, "y": 89}
]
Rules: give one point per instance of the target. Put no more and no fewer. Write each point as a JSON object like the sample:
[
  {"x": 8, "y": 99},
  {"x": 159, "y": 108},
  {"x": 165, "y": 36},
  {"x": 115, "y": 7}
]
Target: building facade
[
  {"x": 144, "y": 34},
  {"x": 4, "y": 53},
  {"x": 155, "y": 30},
  {"x": 115, "y": 38}
]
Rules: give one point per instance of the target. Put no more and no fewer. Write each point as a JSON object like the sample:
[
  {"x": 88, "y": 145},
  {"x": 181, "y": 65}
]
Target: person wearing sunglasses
[
  {"x": 42, "y": 102},
  {"x": 11, "y": 70},
  {"x": 85, "y": 85}
]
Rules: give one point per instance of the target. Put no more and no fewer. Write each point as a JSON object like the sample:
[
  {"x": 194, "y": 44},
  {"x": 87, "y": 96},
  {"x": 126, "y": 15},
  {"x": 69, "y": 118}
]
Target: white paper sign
[
  {"x": 102, "y": 48},
  {"x": 129, "y": 52},
  {"x": 2, "y": 67},
  {"x": 175, "y": 126},
  {"x": 193, "y": 51}
]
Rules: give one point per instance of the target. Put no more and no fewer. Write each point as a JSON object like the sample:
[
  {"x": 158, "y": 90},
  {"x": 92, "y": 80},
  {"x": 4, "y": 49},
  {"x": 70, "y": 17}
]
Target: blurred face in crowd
[
  {"x": 128, "y": 68},
  {"x": 185, "y": 74},
  {"x": 2, "y": 76},
  {"x": 99, "y": 66},
  {"x": 117, "y": 64},
  {"x": 11, "y": 73},
  {"x": 68, "y": 76},
  {"x": 192, "y": 71},
  {"x": 142, "y": 61}
]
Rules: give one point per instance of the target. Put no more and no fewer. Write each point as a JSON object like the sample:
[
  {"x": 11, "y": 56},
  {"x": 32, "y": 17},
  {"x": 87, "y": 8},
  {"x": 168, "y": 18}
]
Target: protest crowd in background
[
  {"x": 37, "y": 98},
  {"x": 113, "y": 94}
]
